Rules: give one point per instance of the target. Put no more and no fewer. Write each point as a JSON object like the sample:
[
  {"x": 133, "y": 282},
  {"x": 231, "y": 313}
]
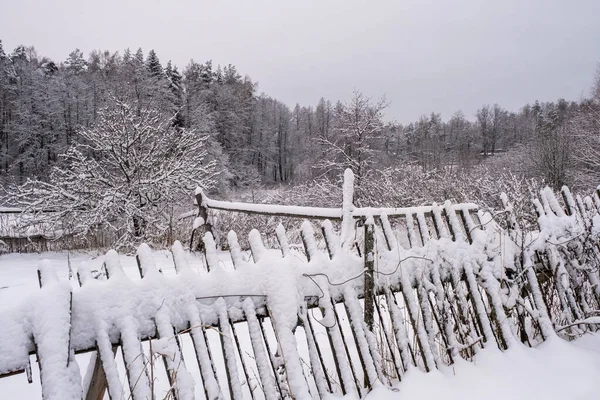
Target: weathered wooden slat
[
  {"x": 233, "y": 379},
  {"x": 332, "y": 241},
  {"x": 97, "y": 380},
  {"x": 282, "y": 388},
  {"x": 258, "y": 348},
  {"x": 390, "y": 238},
  {"x": 406, "y": 353},
  {"x": 367, "y": 350},
  {"x": 135, "y": 360},
  {"x": 423, "y": 229},
  {"x": 467, "y": 329},
  {"x": 256, "y": 245},
  {"x": 386, "y": 329},
  {"x": 417, "y": 323},
  {"x": 242, "y": 359},
  {"x": 308, "y": 240},
  {"x": 282, "y": 239},
  {"x": 426, "y": 316},
  {"x": 181, "y": 381},
  {"x": 105, "y": 372},
  {"x": 480, "y": 311},
  {"x": 204, "y": 358},
  {"x": 443, "y": 317},
  {"x": 210, "y": 252},
  {"x": 410, "y": 230},
  {"x": 322, "y": 380},
  {"x": 338, "y": 335},
  {"x": 369, "y": 262},
  {"x": 234, "y": 249}
]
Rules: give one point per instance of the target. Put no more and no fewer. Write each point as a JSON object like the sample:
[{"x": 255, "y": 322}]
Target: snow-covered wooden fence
[{"x": 442, "y": 282}]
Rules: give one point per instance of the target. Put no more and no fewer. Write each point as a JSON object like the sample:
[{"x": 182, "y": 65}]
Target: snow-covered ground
[{"x": 556, "y": 370}]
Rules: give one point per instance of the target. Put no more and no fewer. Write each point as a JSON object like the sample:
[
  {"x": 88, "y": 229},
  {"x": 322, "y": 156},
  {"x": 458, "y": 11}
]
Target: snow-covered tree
[
  {"x": 123, "y": 175},
  {"x": 585, "y": 128},
  {"x": 175, "y": 84},
  {"x": 75, "y": 63},
  {"x": 553, "y": 149},
  {"x": 153, "y": 64},
  {"x": 359, "y": 125}
]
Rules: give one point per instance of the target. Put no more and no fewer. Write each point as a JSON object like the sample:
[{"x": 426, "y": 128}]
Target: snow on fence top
[
  {"x": 319, "y": 323},
  {"x": 205, "y": 202}
]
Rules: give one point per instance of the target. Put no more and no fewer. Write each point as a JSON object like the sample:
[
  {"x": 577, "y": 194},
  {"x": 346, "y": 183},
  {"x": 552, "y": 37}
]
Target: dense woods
[{"x": 250, "y": 140}]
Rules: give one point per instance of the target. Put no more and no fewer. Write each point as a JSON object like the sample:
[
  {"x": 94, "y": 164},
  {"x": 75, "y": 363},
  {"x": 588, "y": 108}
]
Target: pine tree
[
  {"x": 75, "y": 62},
  {"x": 206, "y": 73},
  {"x": 174, "y": 78},
  {"x": 126, "y": 56},
  {"x": 139, "y": 56},
  {"x": 219, "y": 75},
  {"x": 153, "y": 65},
  {"x": 175, "y": 85}
]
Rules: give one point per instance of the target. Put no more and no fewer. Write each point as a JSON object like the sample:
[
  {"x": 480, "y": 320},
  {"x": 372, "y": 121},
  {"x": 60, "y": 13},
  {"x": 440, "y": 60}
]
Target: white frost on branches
[
  {"x": 352, "y": 146},
  {"x": 123, "y": 176}
]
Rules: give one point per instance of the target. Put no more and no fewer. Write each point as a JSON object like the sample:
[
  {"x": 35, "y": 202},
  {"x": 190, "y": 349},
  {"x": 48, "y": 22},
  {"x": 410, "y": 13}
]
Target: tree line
[{"x": 254, "y": 138}]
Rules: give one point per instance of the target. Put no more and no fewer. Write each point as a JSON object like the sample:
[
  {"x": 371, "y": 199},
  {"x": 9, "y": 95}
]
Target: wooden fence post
[
  {"x": 347, "y": 228},
  {"x": 369, "y": 267},
  {"x": 202, "y": 213}
]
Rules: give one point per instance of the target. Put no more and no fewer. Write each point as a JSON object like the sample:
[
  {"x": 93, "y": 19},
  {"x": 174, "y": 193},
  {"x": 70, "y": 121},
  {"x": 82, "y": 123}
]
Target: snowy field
[{"x": 556, "y": 370}]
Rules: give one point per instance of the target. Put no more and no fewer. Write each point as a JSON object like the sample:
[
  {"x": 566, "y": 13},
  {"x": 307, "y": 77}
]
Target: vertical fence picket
[
  {"x": 406, "y": 354},
  {"x": 181, "y": 381},
  {"x": 319, "y": 370},
  {"x": 225, "y": 335},
  {"x": 204, "y": 358},
  {"x": 416, "y": 321},
  {"x": 258, "y": 347},
  {"x": 282, "y": 239},
  {"x": 388, "y": 336},
  {"x": 332, "y": 241},
  {"x": 438, "y": 222},
  {"x": 281, "y": 384},
  {"x": 103, "y": 359},
  {"x": 410, "y": 231},
  {"x": 369, "y": 280},
  {"x": 342, "y": 353}
]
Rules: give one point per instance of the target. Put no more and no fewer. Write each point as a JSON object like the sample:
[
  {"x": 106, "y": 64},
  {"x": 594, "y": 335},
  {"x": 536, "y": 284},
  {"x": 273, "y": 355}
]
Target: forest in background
[{"x": 256, "y": 148}]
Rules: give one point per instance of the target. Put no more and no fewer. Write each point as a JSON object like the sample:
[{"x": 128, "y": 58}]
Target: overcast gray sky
[{"x": 423, "y": 55}]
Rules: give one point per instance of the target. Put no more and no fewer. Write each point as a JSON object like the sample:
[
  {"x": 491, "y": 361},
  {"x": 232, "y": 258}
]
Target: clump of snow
[{"x": 198, "y": 222}]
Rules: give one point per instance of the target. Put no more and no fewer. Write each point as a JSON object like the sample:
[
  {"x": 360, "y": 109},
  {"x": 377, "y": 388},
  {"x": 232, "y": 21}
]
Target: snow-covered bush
[{"x": 125, "y": 176}]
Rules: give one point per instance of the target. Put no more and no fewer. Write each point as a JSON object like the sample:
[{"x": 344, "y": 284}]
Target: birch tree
[{"x": 359, "y": 125}]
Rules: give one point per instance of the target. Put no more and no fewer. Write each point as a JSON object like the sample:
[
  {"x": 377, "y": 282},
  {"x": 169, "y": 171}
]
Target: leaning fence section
[{"x": 349, "y": 306}]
